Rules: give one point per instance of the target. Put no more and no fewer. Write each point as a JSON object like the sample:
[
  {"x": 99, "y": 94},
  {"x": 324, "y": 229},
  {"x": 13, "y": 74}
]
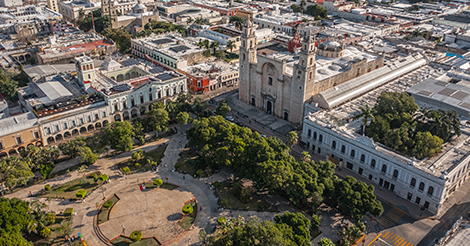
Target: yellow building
[
  {"x": 245, "y": 14},
  {"x": 52, "y": 4},
  {"x": 17, "y": 132}
]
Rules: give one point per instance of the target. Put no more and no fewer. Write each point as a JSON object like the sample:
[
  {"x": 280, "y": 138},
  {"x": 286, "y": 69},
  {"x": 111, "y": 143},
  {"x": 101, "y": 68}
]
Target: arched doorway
[
  {"x": 21, "y": 149},
  {"x": 3, "y": 154},
  {"x": 91, "y": 128},
  {"x": 134, "y": 113},
  {"x": 105, "y": 123},
  {"x": 12, "y": 152},
  {"x": 269, "y": 107},
  {"x": 50, "y": 140},
  {"x": 286, "y": 116},
  {"x": 128, "y": 76},
  {"x": 125, "y": 115},
  {"x": 117, "y": 117},
  {"x": 98, "y": 125},
  {"x": 39, "y": 144},
  {"x": 142, "y": 111},
  {"x": 82, "y": 130},
  {"x": 253, "y": 101},
  {"x": 120, "y": 78},
  {"x": 134, "y": 74},
  {"x": 58, "y": 137},
  {"x": 67, "y": 135},
  {"x": 74, "y": 132}
]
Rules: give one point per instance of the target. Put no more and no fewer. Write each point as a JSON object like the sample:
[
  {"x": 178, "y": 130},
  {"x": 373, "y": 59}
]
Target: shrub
[
  {"x": 108, "y": 204},
  {"x": 136, "y": 236},
  {"x": 81, "y": 194},
  {"x": 245, "y": 195},
  {"x": 207, "y": 53},
  {"x": 104, "y": 177},
  {"x": 224, "y": 203},
  {"x": 95, "y": 176},
  {"x": 177, "y": 165},
  {"x": 188, "y": 209},
  {"x": 157, "y": 182},
  {"x": 237, "y": 189},
  {"x": 51, "y": 217},
  {"x": 200, "y": 173},
  {"x": 126, "y": 170},
  {"x": 45, "y": 232},
  {"x": 47, "y": 187},
  {"x": 68, "y": 212},
  {"x": 222, "y": 220},
  {"x": 137, "y": 165},
  {"x": 217, "y": 184}
]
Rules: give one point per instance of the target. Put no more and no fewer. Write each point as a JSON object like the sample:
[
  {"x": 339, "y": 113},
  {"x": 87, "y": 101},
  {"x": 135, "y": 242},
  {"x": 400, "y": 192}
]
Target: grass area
[
  {"x": 225, "y": 192},
  {"x": 103, "y": 214},
  {"x": 69, "y": 189},
  {"x": 185, "y": 158},
  {"x": 124, "y": 241},
  {"x": 230, "y": 56},
  {"x": 189, "y": 219},
  {"x": 154, "y": 155},
  {"x": 55, "y": 238}
]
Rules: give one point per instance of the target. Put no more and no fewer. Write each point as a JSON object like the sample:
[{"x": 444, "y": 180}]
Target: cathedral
[
  {"x": 280, "y": 83},
  {"x": 134, "y": 21}
]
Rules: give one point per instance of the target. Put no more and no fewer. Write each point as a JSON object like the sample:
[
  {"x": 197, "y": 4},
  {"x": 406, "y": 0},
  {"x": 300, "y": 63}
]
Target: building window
[
  {"x": 141, "y": 99},
  {"x": 309, "y": 133},
  {"x": 353, "y": 153},
  {"x": 89, "y": 118},
  {"x": 319, "y": 150},
  {"x": 363, "y": 158},
  {"x": 320, "y": 138},
  {"x": 73, "y": 123},
  {"x": 65, "y": 126},
  {"x": 81, "y": 121},
  {"x": 430, "y": 190},
  {"x": 372, "y": 163},
  {"x": 343, "y": 149},
  {"x": 384, "y": 168},
  {"x": 36, "y": 135},
  {"x": 132, "y": 102},
  {"x": 315, "y": 135},
  {"x": 150, "y": 97},
  {"x": 198, "y": 83},
  {"x": 349, "y": 165},
  {"x": 1, "y": 145},
  {"x": 270, "y": 81},
  {"x": 47, "y": 130},
  {"x": 333, "y": 145},
  {"x": 96, "y": 117},
  {"x": 409, "y": 196},
  {"x": 421, "y": 186},
  {"x": 104, "y": 114},
  {"x": 18, "y": 140},
  {"x": 418, "y": 200},
  {"x": 413, "y": 182},
  {"x": 395, "y": 174},
  {"x": 56, "y": 127}
]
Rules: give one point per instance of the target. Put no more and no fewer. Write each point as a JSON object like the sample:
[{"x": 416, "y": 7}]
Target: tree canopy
[
  {"x": 397, "y": 123},
  {"x": 316, "y": 11}
]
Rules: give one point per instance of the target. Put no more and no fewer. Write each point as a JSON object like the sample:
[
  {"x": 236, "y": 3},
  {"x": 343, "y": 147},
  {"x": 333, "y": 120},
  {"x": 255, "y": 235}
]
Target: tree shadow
[{"x": 174, "y": 217}]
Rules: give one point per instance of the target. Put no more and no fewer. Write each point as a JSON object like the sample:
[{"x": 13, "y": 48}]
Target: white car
[{"x": 229, "y": 118}]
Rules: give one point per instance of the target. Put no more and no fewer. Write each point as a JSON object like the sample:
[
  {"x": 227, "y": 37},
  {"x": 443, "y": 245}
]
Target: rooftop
[{"x": 17, "y": 123}]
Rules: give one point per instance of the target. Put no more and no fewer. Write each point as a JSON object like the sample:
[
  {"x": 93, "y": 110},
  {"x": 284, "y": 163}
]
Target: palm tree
[
  {"x": 214, "y": 45},
  {"x": 39, "y": 218},
  {"x": 81, "y": 13},
  {"x": 200, "y": 21},
  {"x": 305, "y": 156},
  {"x": 231, "y": 45},
  {"x": 292, "y": 138},
  {"x": 325, "y": 242},
  {"x": 366, "y": 114},
  {"x": 302, "y": 5},
  {"x": 189, "y": 20},
  {"x": 423, "y": 114}
]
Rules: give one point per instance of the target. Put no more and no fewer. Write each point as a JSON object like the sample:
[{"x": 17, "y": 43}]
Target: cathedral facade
[{"x": 280, "y": 83}]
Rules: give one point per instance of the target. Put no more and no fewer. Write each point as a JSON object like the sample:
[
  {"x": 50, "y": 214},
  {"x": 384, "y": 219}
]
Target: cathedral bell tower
[
  {"x": 247, "y": 57},
  {"x": 104, "y": 7},
  {"x": 303, "y": 77}
]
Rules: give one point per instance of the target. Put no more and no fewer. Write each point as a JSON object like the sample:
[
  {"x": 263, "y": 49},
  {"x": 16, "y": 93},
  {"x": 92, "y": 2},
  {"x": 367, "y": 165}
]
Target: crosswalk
[
  {"x": 395, "y": 240},
  {"x": 392, "y": 217}
]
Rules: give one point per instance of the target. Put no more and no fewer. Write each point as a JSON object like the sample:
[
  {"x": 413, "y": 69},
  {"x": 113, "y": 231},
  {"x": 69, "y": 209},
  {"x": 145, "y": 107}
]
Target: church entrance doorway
[
  {"x": 253, "y": 102},
  {"x": 269, "y": 107}
]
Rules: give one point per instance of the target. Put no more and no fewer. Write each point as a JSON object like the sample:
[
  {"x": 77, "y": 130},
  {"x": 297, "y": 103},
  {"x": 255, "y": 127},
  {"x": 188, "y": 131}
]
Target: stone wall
[{"x": 195, "y": 57}]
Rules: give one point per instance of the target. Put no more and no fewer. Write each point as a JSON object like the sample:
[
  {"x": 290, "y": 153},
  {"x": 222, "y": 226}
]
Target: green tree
[
  {"x": 46, "y": 169},
  {"x": 72, "y": 147},
  {"x": 305, "y": 156},
  {"x": 366, "y": 114},
  {"x": 292, "y": 138},
  {"x": 189, "y": 20},
  {"x": 300, "y": 226},
  {"x": 199, "y": 106},
  {"x": 14, "y": 239},
  {"x": 121, "y": 37},
  {"x": 182, "y": 118},
  {"x": 158, "y": 118},
  {"x": 207, "y": 53},
  {"x": 14, "y": 217},
  {"x": 426, "y": 145},
  {"x": 325, "y": 242},
  {"x": 137, "y": 155},
  {"x": 231, "y": 45},
  {"x": 237, "y": 21},
  {"x": 118, "y": 135},
  {"x": 316, "y": 11},
  {"x": 8, "y": 86},
  {"x": 223, "y": 109},
  {"x": 39, "y": 219},
  {"x": 295, "y": 8},
  {"x": 395, "y": 103},
  {"x": 14, "y": 171},
  {"x": 87, "y": 156}
]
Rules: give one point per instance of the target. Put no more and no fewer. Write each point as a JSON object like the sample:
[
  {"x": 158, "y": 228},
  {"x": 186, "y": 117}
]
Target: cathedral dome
[
  {"x": 110, "y": 64},
  {"x": 139, "y": 8},
  {"x": 331, "y": 48},
  {"x": 332, "y": 44}
]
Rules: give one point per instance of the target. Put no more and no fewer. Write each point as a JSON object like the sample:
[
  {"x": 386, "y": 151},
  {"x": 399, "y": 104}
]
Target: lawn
[
  {"x": 124, "y": 241},
  {"x": 69, "y": 189},
  {"x": 188, "y": 220},
  {"x": 150, "y": 185},
  {"x": 103, "y": 214},
  {"x": 186, "y": 166},
  {"x": 154, "y": 155},
  {"x": 55, "y": 238},
  {"x": 225, "y": 192}
]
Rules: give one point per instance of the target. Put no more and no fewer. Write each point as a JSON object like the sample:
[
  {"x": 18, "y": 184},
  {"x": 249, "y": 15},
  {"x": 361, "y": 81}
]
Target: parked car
[{"x": 229, "y": 118}]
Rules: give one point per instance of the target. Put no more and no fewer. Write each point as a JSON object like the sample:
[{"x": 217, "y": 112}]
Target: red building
[{"x": 198, "y": 83}]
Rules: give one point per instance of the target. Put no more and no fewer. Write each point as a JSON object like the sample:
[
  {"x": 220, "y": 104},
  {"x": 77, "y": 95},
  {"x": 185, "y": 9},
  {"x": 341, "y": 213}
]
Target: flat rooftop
[
  {"x": 17, "y": 123},
  {"x": 341, "y": 118}
]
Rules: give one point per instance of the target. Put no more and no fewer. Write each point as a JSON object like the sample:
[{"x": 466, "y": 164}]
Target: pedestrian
[
  {"x": 30, "y": 193},
  {"x": 200, "y": 208},
  {"x": 380, "y": 187},
  {"x": 184, "y": 177}
]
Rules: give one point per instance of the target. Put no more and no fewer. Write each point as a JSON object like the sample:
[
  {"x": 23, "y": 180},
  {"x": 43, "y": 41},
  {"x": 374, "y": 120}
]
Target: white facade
[
  {"x": 404, "y": 176},
  {"x": 9, "y": 3}
]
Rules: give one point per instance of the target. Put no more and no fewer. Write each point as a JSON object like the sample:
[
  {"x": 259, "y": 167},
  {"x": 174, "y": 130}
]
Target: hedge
[
  {"x": 108, "y": 204},
  {"x": 157, "y": 182},
  {"x": 104, "y": 177},
  {"x": 47, "y": 187},
  {"x": 136, "y": 236},
  {"x": 126, "y": 170},
  {"x": 187, "y": 209},
  {"x": 81, "y": 194},
  {"x": 68, "y": 212}
]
